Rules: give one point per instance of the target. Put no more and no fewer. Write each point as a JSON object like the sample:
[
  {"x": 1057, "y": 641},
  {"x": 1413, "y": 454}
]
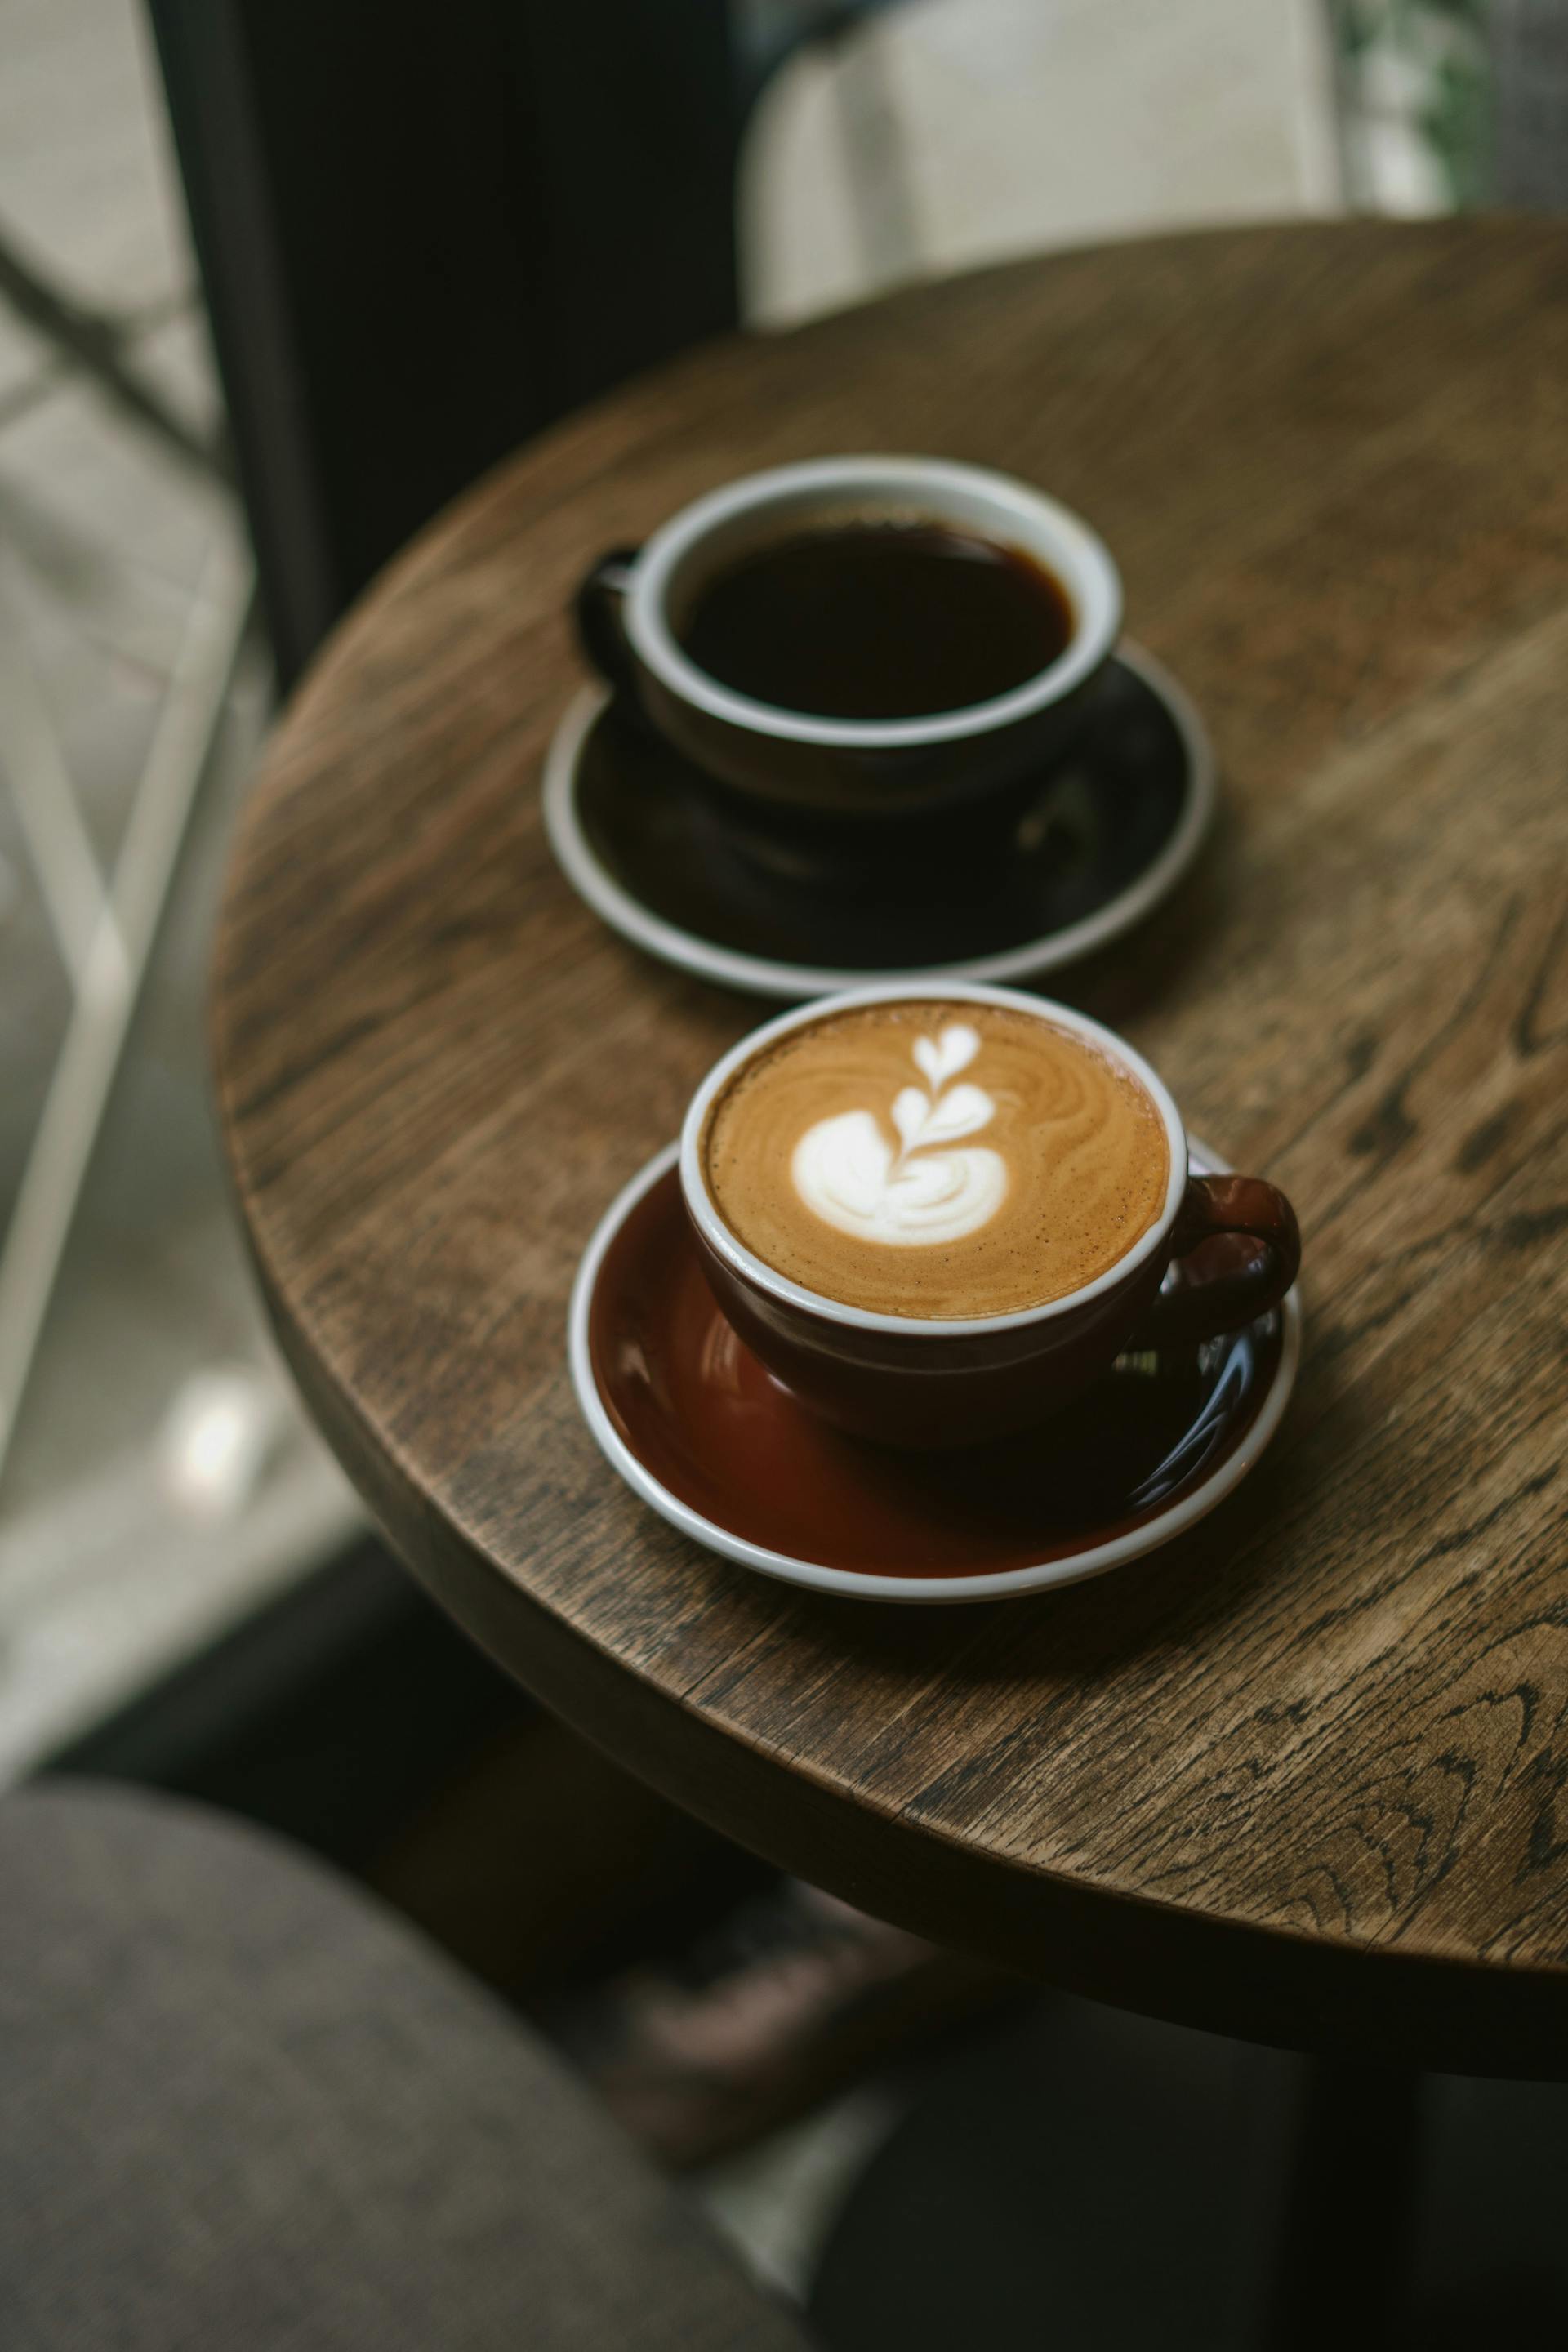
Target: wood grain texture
[{"x": 1304, "y": 1775}]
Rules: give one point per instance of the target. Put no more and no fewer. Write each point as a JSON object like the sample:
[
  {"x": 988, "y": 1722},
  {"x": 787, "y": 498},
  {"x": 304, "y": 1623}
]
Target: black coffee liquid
[{"x": 878, "y": 620}]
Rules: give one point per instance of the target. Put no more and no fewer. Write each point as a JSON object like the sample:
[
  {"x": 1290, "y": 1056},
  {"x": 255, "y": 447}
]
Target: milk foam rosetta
[
  {"x": 923, "y": 1188},
  {"x": 939, "y": 1160}
]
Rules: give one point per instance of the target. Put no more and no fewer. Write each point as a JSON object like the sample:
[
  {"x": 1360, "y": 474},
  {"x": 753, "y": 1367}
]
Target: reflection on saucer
[
  {"x": 1106, "y": 836},
  {"x": 702, "y": 1431}
]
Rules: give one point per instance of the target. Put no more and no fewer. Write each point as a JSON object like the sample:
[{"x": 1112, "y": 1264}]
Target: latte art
[
  {"x": 936, "y": 1160},
  {"x": 847, "y": 1172}
]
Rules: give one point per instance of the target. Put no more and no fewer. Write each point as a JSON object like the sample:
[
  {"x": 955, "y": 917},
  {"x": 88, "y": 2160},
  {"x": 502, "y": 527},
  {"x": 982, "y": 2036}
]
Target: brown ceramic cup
[
  {"x": 770, "y": 764},
  {"x": 1229, "y": 1245}
]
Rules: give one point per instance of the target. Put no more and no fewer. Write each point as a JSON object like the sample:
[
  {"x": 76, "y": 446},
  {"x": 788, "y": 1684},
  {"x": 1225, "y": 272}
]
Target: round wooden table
[{"x": 1303, "y": 1775}]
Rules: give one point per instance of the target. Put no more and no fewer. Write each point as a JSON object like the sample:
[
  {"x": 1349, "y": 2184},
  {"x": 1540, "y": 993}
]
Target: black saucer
[{"x": 1107, "y": 837}]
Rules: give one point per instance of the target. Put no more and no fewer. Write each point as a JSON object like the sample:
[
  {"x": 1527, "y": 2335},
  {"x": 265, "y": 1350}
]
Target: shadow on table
[{"x": 1080, "y": 1633}]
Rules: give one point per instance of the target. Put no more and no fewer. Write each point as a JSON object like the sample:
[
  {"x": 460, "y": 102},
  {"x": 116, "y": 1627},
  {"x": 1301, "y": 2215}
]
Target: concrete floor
[
  {"x": 953, "y": 130},
  {"x": 1029, "y": 123},
  {"x": 108, "y": 1568}
]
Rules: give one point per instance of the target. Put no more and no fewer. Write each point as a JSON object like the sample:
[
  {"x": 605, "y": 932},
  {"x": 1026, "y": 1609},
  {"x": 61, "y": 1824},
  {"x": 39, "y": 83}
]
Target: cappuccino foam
[{"x": 934, "y": 1159}]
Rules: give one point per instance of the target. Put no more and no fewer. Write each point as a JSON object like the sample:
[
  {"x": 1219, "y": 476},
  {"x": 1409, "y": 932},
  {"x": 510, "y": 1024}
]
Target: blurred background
[{"x": 187, "y": 1592}]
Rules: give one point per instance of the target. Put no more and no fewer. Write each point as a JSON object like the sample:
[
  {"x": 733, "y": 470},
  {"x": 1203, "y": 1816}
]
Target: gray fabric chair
[{"x": 241, "y": 2107}]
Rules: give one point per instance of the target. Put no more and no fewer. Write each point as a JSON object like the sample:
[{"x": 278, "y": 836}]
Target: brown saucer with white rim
[{"x": 697, "y": 1427}]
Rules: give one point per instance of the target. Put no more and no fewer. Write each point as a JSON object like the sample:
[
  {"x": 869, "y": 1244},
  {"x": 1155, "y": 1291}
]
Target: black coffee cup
[{"x": 794, "y": 776}]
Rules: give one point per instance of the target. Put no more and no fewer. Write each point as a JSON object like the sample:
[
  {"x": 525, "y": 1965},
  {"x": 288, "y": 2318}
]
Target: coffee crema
[{"x": 936, "y": 1159}]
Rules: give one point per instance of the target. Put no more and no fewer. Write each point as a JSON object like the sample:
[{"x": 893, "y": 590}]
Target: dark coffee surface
[{"x": 878, "y": 621}]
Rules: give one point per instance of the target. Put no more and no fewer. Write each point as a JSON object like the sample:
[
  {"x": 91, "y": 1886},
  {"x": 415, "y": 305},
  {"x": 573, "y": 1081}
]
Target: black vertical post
[
  {"x": 426, "y": 231},
  {"x": 1341, "y": 2272}
]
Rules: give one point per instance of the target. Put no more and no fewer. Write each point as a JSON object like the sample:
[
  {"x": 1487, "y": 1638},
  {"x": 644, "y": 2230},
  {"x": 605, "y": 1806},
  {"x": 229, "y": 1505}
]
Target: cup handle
[
  {"x": 1235, "y": 1249},
  {"x": 600, "y": 625}
]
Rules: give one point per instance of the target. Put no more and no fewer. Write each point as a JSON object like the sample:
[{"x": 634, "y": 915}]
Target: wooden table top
[{"x": 1304, "y": 1774}]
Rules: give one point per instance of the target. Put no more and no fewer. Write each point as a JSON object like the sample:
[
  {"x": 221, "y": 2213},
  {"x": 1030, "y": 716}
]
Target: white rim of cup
[
  {"x": 938, "y": 488},
  {"x": 749, "y": 1267},
  {"x": 857, "y": 1583}
]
